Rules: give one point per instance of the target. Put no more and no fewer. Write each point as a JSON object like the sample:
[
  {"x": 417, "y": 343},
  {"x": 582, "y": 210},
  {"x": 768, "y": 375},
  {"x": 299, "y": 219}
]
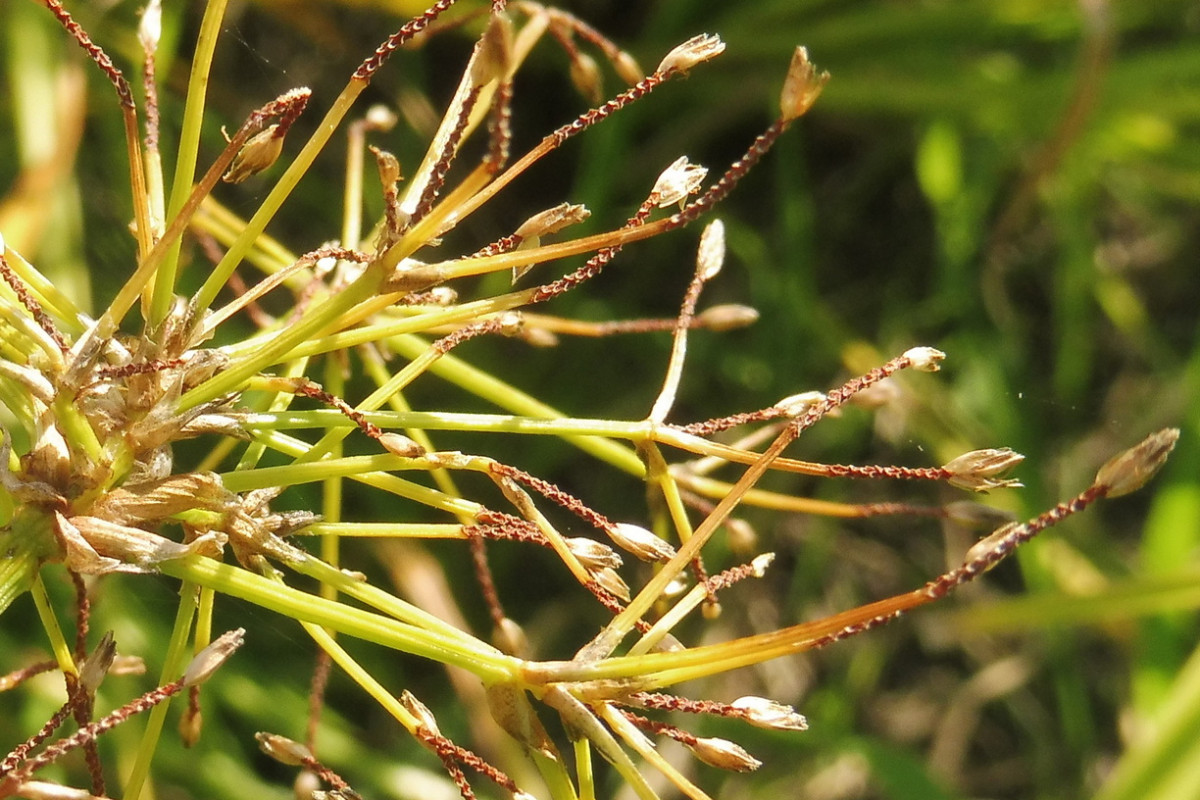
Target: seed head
[
  {"x": 610, "y": 581},
  {"x": 764, "y": 713},
  {"x": 978, "y": 469},
  {"x": 400, "y": 445},
  {"x": 802, "y": 86},
  {"x": 258, "y": 153},
  {"x": 552, "y": 220},
  {"x": 711, "y": 255},
  {"x": 925, "y": 359},
  {"x": 991, "y": 548},
  {"x": 97, "y": 665},
  {"x": 282, "y": 749},
  {"x": 45, "y": 790},
  {"x": 727, "y": 317},
  {"x": 150, "y": 28},
  {"x": 695, "y": 50},
  {"x": 760, "y": 563},
  {"x": 642, "y": 543},
  {"x": 380, "y": 118},
  {"x": 1131, "y": 470},
  {"x": 305, "y": 785},
  {"x": 495, "y": 51},
  {"x": 724, "y": 754},
  {"x": 210, "y": 659},
  {"x": 592, "y": 554},
  {"x": 388, "y": 166},
  {"x": 677, "y": 182},
  {"x": 420, "y": 711},
  {"x": 796, "y": 404}
]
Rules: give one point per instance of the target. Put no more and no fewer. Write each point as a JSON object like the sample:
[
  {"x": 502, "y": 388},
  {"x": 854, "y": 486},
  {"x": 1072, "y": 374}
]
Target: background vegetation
[{"x": 1013, "y": 182}]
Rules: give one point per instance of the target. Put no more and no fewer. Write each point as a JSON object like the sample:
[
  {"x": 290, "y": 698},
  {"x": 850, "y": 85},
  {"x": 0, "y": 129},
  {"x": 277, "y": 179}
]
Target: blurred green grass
[{"x": 1010, "y": 181}]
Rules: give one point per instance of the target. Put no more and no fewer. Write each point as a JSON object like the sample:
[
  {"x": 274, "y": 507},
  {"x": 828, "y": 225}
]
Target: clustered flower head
[{"x": 92, "y": 479}]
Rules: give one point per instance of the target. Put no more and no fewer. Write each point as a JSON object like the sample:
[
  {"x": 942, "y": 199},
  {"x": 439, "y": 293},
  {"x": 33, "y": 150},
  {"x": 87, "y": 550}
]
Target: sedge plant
[{"x": 168, "y": 433}]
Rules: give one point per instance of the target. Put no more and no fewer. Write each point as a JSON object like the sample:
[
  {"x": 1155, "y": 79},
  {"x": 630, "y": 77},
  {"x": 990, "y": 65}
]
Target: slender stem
[
  {"x": 173, "y": 664},
  {"x": 484, "y": 661},
  {"x": 189, "y": 150},
  {"x": 58, "y": 643},
  {"x": 267, "y": 210}
]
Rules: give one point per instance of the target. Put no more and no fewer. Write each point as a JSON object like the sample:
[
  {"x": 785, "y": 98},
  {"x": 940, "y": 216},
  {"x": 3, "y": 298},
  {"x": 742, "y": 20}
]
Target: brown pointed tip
[
  {"x": 208, "y": 660},
  {"x": 802, "y": 87},
  {"x": 1131, "y": 470}
]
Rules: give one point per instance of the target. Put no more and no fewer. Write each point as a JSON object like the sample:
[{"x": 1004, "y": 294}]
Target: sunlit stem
[
  {"x": 68, "y": 316},
  {"x": 271, "y": 204},
  {"x": 660, "y": 476},
  {"x": 277, "y": 402},
  {"x": 684, "y": 606},
  {"x": 352, "y": 208},
  {"x": 58, "y": 643},
  {"x": 189, "y": 150},
  {"x": 329, "y": 442},
  {"x": 581, "y": 718},
  {"x": 583, "y": 768},
  {"x": 355, "y": 468},
  {"x": 383, "y": 601},
  {"x": 137, "y": 182},
  {"x": 173, "y": 664},
  {"x": 615, "y": 631},
  {"x": 356, "y": 671},
  {"x": 148, "y": 266},
  {"x": 278, "y": 347},
  {"x": 645, "y": 748},
  {"x": 378, "y": 371},
  {"x": 386, "y": 530},
  {"x": 504, "y": 395},
  {"x": 361, "y": 676},
  {"x": 75, "y": 426},
  {"x": 485, "y": 662},
  {"x": 449, "y": 270},
  {"x": 331, "y": 488},
  {"x": 760, "y": 498}
]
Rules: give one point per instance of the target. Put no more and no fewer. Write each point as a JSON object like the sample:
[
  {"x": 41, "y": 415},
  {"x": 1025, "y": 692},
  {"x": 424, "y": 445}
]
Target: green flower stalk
[{"x": 93, "y": 479}]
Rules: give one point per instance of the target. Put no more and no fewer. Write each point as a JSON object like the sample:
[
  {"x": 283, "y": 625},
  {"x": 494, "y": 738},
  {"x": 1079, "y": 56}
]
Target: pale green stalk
[
  {"x": 271, "y": 204},
  {"x": 684, "y": 606},
  {"x": 385, "y": 530},
  {"x": 331, "y": 487},
  {"x": 173, "y": 665},
  {"x": 645, "y": 748},
  {"x": 660, "y": 476},
  {"x": 282, "y": 344},
  {"x": 379, "y": 480},
  {"x": 621, "y": 624},
  {"x": 480, "y": 659},
  {"x": 189, "y": 150},
  {"x": 377, "y": 370},
  {"x": 58, "y": 642},
  {"x": 583, "y": 721},
  {"x": 583, "y": 768},
  {"x": 362, "y": 676},
  {"x": 504, "y": 395},
  {"x": 276, "y": 403},
  {"x": 67, "y": 315}
]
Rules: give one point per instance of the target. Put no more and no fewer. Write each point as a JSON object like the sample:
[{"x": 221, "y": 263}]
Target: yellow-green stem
[
  {"x": 173, "y": 664},
  {"x": 189, "y": 150}
]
